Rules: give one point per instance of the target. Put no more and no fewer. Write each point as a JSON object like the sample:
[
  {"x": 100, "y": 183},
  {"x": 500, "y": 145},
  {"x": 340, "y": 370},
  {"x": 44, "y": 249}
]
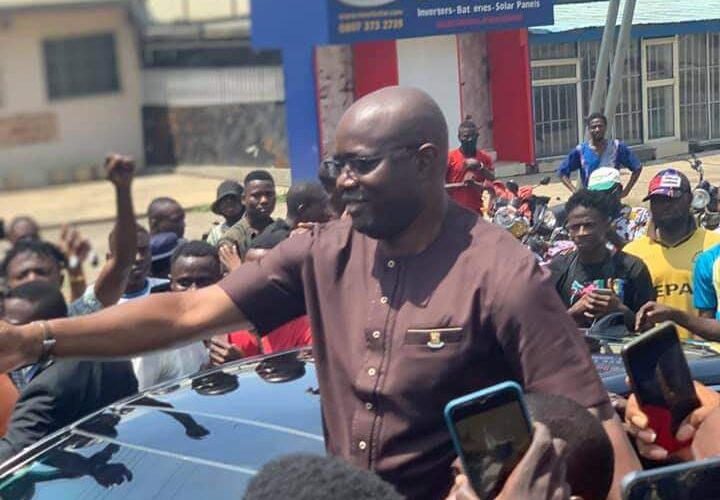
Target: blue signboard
[
  {"x": 297, "y": 26},
  {"x": 290, "y": 23},
  {"x": 359, "y": 20}
]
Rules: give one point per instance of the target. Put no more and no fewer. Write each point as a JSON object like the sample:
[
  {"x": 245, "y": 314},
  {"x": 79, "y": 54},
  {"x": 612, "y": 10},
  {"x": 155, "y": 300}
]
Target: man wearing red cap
[{"x": 670, "y": 250}]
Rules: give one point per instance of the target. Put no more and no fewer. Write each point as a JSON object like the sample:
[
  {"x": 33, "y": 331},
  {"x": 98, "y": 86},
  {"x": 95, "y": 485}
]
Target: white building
[
  {"x": 167, "y": 81},
  {"x": 69, "y": 89}
]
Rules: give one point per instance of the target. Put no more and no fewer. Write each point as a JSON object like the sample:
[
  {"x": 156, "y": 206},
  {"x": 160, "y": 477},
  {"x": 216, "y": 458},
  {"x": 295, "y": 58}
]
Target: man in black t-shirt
[{"x": 594, "y": 281}]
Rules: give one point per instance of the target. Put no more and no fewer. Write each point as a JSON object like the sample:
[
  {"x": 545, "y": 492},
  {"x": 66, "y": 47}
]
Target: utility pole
[
  {"x": 616, "y": 75},
  {"x": 603, "y": 62}
]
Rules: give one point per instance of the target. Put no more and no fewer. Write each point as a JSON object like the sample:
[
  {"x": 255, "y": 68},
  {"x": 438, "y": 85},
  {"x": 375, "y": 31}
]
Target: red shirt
[
  {"x": 469, "y": 197},
  {"x": 295, "y": 333}
]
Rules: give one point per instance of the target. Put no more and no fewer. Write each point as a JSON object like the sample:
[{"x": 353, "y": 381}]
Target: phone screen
[
  {"x": 660, "y": 374},
  {"x": 493, "y": 433},
  {"x": 688, "y": 481}
]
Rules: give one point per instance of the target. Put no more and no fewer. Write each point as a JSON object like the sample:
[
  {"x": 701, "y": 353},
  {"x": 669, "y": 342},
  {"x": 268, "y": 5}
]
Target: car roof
[{"x": 204, "y": 435}]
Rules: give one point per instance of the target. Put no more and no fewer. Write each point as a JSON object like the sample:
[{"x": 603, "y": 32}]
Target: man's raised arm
[
  {"x": 148, "y": 324},
  {"x": 113, "y": 277}
]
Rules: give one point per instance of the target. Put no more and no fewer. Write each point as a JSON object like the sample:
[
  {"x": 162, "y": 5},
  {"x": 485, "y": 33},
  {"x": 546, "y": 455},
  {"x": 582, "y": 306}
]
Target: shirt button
[
  {"x": 384, "y": 300},
  {"x": 372, "y": 372},
  {"x": 376, "y": 334},
  {"x": 362, "y": 445},
  {"x": 391, "y": 264},
  {"x": 368, "y": 406}
]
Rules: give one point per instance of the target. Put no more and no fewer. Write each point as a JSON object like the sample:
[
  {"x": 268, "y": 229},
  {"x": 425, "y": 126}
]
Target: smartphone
[
  {"x": 661, "y": 380},
  {"x": 690, "y": 480},
  {"x": 491, "y": 430},
  {"x": 603, "y": 291}
]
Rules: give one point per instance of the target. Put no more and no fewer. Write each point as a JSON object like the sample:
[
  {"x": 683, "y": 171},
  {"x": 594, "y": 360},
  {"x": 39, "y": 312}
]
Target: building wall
[
  {"x": 214, "y": 116},
  {"x": 431, "y": 64},
  {"x": 474, "y": 85},
  {"x": 335, "y": 90},
  {"x": 170, "y": 11},
  {"x": 248, "y": 134},
  {"x": 86, "y": 127},
  {"x": 691, "y": 69}
]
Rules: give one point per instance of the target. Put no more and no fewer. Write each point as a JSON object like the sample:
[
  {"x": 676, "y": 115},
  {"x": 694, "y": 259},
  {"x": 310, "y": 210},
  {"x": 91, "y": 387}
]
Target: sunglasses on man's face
[{"x": 362, "y": 165}]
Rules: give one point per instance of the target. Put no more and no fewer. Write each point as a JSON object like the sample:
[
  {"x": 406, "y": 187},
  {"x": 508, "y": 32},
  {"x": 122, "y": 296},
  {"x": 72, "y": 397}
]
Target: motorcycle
[
  {"x": 705, "y": 198},
  {"x": 527, "y": 216}
]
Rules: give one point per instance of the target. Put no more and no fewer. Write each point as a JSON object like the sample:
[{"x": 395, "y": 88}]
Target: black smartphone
[
  {"x": 662, "y": 382},
  {"x": 685, "y": 481},
  {"x": 491, "y": 430}
]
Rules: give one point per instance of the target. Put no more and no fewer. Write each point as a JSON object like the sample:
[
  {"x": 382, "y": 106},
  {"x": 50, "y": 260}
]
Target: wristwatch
[{"x": 48, "y": 342}]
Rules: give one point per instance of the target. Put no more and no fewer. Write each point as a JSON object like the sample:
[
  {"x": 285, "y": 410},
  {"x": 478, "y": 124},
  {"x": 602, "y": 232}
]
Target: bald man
[
  {"x": 166, "y": 215},
  {"x": 23, "y": 227},
  {"x": 307, "y": 202},
  {"x": 412, "y": 300}
]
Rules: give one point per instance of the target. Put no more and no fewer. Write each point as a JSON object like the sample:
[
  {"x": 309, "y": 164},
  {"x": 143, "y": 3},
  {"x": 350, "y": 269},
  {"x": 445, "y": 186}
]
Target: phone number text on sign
[{"x": 371, "y": 26}]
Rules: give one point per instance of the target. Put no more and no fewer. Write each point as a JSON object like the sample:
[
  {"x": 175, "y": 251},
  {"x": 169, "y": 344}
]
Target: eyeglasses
[{"x": 362, "y": 165}]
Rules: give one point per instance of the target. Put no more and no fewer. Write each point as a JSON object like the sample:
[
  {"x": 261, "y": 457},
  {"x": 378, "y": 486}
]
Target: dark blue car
[{"x": 202, "y": 437}]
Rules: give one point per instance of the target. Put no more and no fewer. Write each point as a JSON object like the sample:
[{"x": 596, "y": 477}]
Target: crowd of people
[
  {"x": 385, "y": 255},
  {"x": 43, "y": 397}
]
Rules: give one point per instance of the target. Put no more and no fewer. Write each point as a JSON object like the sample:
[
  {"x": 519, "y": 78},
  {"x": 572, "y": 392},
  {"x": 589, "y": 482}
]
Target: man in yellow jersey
[{"x": 671, "y": 249}]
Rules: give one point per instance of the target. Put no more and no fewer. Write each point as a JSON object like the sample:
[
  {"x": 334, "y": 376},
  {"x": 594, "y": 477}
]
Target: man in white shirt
[{"x": 195, "y": 264}]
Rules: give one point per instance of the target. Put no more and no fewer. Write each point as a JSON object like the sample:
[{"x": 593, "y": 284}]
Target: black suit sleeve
[{"x": 52, "y": 400}]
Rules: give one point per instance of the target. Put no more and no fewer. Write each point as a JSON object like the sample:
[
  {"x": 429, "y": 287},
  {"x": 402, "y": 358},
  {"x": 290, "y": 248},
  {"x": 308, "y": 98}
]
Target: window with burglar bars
[
  {"x": 563, "y": 76},
  {"x": 661, "y": 89},
  {"x": 556, "y": 93},
  {"x": 628, "y": 116},
  {"x": 556, "y": 105},
  {"x": 670, "y": 89},
  {"x": 700, "y": 87},
  {"x": 81, "y": 66}
]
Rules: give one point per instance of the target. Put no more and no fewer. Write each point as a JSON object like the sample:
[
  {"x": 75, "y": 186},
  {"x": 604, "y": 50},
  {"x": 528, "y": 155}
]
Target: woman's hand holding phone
[{"x": 637, "y": 425}]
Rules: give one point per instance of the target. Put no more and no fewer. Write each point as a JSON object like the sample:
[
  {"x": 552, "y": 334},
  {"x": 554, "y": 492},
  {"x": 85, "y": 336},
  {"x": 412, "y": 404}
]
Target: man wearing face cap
[
  {"x": 228, "y": 204},
  {"x": 162, "y": 246},
  {"x": 671, "y": 249},
  {"x": 413, "y": 301},
  {"x": 630, "y": 223},
  {"x": 469, "y": 166}
]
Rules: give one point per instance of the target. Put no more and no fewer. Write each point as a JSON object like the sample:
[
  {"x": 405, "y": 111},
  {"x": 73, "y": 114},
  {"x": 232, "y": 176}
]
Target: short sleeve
[
  {"x": 148, "y": 369},
  {"x": 704, "y": 296},
  {"x": 559, "y": 268},
  {"x": 270, "y": 292},
  {"x": 627, "y": 158},
  {"x": 541, "y": 341},
  {"x": 643, "y": 289},
  {"x": 87, "y": 304},
  {"x": 247, "y": 342},
  {"x": 570, "y": 164},
  {"x": 215, "y": 234}
]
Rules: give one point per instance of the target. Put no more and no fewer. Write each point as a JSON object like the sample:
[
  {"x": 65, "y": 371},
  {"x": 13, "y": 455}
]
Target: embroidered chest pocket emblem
[
  {"x": 435, "y": 341},
  {"x": 434, "y": 338}
]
